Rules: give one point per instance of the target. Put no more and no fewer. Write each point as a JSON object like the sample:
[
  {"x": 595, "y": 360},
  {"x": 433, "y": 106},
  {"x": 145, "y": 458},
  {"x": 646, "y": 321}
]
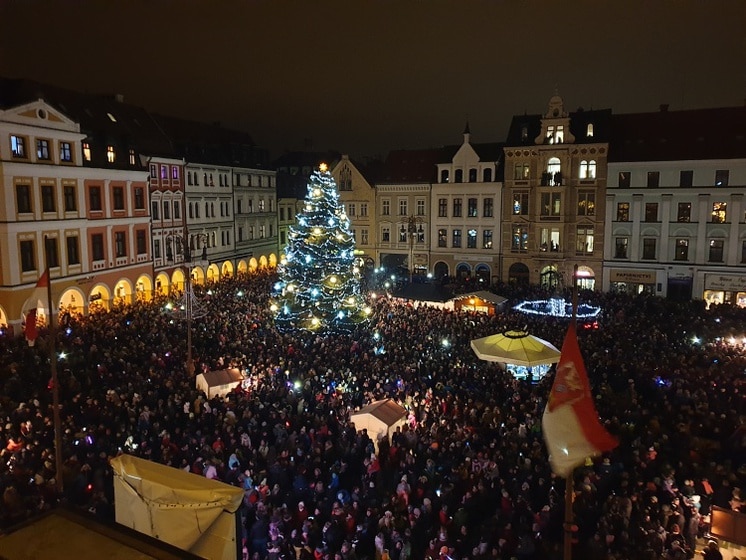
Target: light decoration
[
  {"x": 557, "y": 307},
  {"x": 323, "y": 276}
]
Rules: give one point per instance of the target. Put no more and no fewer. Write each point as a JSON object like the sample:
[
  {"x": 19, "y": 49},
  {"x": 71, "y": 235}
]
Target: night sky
[{"x": 364, "y": 77}]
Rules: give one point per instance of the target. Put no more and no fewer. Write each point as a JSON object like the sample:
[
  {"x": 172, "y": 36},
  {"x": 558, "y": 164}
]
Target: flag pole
[
  {"x": 55, "y": 384},
  {"x": 570, "y": 480}
]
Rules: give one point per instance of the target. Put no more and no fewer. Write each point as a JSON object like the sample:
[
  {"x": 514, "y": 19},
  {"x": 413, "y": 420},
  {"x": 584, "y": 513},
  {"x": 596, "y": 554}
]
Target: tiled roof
[
  {"x": 412, "y": 166},
  {"x": 679, "y": 135}
]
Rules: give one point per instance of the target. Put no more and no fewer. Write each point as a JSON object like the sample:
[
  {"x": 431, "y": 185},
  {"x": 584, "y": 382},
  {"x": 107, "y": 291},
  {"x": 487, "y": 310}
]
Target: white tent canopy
[
  {"x": 218, "y": 383},
  {"x": 380, "y": 419}
]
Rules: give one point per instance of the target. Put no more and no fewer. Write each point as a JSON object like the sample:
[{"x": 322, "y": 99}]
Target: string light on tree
[{"x": 319, "y": 283}]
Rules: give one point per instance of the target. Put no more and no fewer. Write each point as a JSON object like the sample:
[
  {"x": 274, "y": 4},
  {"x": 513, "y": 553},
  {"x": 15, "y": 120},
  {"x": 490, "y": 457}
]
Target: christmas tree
[{"x": 320, "y": 282}]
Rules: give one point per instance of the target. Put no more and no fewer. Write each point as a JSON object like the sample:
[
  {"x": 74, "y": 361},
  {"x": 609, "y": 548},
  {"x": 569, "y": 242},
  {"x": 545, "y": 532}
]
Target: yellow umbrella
[{"x": 515, "y": 347}]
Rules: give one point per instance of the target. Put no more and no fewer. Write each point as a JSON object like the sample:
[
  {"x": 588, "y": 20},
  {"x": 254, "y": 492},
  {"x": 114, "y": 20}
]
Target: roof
[
  {"x": 222, "y": 376},
  {"x": 484, "y": 295},
  {"x": 413, "y": 166},
  {"x": 679, "y": 135},
  {"x": 579, "y": 121},
  {"x": 63, "y": 534},
  {"x": 387, "y": 411}
]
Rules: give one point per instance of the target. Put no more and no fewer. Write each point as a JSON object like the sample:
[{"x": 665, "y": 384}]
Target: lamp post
[
  {"x": 412, "y": 227},
  {"x": 186, "y": 244}
]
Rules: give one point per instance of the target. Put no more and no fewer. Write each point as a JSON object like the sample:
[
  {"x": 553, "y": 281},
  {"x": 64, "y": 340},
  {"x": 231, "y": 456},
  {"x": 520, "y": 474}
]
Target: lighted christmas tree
[{"x": 320, "y": 282}]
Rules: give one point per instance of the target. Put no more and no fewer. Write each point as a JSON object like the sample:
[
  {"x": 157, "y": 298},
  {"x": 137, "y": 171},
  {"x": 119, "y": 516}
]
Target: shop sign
[
  {"x": 633, "y": 276},
  {"x": 725, "y": 282}
]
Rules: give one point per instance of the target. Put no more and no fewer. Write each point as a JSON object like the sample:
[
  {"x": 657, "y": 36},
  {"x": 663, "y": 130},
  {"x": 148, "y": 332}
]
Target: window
[
  {"x": 385, "y": 208},
  {"x": 588, "y": 169},
  {"x": 110, "y": 155},
  {"x": 520, "y": 203},
  {"x": 472, "y": 175},
  {"x": 66, "y": 152},
  {"x": 420, "y": 208},
  {"x": 364, "y": 237},
  {"x": 385, "y": 234},
  {"x": 164, "y": 172},
  {"x": 682, "y": 250},
  {"x": 551, "y": 204},
  {"x": 71, "y": 198},
  {"x": 166, "y": 210},
  {"x": 622, "y": 212},
  {"x": 716, "y": 250},
  {"x": 553, "y": 174},
  {"x": 471, "y": 239},
  {"x": 139, "y": 198},
  {"x": 42, "y": 148},
  {"x": 654, "y": 178},
  {"x": 97, "y": 246},
  {"x": 456, "y": 238},
  {"x": 586, "y": 203},
  {"x": 442, "y": 207},
  {"x": 684, "y": 212},
  {"x": 487, "y": 207},
  {"x": 403, "y": 207},
  {"x": 402, "y": 234},
  {"x": 649, "y": 247},
  {"x": 521, "y": 171},
  {"x": 28, "y": 260},
  {"x": 351, "y": 210},
  {"x": 174, "y": 172},
  {"x": 519, "y": 238},
  {"x": 153, "y": 171},
  {"x": 154, "y": 213},
  {"x": 459, "y": 176},
  {"x": 487, "y": 239},
  {"x": 443, "y": 175},
  {"x": 624, "y": 179},
  {"x": 51, "y": 252},
  {"x": 86, "y": 151},
  {"x": 23, "y": 200},
  {"x": 719, "y": 212},
  {"x": 132, "y": 157},
  {"x": 686, "y": 178},
  {"x": 584, "y": 240},
  {"x": 363, "y": 209},
  {"x": 555, "y": 134},
  {"x": 94, "y": 198},
  {"x": 487, "y": 175},
  {"x": 442, "y": 238},
  {"x": 457, "y": 207},
  {"x": 18, "y": 148},
  {"x": 472, "y": 208},
  {"x": 743, "y": 251},
  {"x": 73, "y": 250},
  {"x": 120, "y": 244},
  {"x": 589, "y": 130},
  {"x": 47, "y": 198},
  {"x": 721, "y": 177},
  {"x": 550, "y": 239},
  {"x": 620, "y": 247},
  {"x": 157, "y": 248},
  {"x": 140, "y": 239},
  {"x": 651, "y": 211},
  {"x": 118, "y": 198}
]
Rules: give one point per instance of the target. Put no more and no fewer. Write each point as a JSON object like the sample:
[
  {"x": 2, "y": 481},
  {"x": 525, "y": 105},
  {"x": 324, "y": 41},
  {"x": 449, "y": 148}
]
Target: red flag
[
  {"x": 570, "y": 423},
  {"x": 40, "y": 293}
]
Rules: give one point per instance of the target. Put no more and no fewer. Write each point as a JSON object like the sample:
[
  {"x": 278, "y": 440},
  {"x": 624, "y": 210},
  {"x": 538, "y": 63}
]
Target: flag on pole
[
  {"x": 29, "y": 308},
  {"x": 572, "y": 430}
]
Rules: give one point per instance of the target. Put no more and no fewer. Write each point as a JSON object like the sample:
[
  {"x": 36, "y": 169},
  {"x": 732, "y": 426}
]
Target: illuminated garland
[{"x": 319, "y": 286}]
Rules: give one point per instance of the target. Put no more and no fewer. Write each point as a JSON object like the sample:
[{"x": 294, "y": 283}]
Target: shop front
[
  {"x": 632, "y": 281},
  {"x": 725, "y": 288}
]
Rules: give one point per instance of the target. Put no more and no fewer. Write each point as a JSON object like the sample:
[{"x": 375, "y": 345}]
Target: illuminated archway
[
  {"x": 227, "y": 269},
  {"x": 162, "y": 284},
  {"x": 73, "y": 301},
  {"x": 549, "y": 278},
  {"x": 253, "y": 265},
  {"x": 3, "y": 318},
  {"x": 177, "y": 280},
  {"x": 262, "y": 262},
  {"x": 586, "y": 278},
  {"x": 99, "y": 298},
  {"x": 123, "y": 292},
  {"x": 243, "y": 268},
  {"x": 198, "y": 276},
  {"x": 213, "y": 274},
  {"x": 144, "y": 288},
  {"x": 273, "y": 260}
]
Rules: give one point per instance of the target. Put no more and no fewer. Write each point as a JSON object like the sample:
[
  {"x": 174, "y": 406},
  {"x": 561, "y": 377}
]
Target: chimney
[{"x": 664, "y": 107}]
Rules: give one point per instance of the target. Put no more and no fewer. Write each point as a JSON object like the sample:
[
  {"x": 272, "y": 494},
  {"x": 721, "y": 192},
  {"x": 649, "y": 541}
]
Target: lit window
[
  {"x": 42, "y": 149},
  {"x": 110, "y": 155},
  {"x": 18, "y": 146},
  {"x": 682, "y": 250},
  {"x": 719, "y": 212},
  {"x": 487, "y": 239},
  {"x": 132, "y": 156},
  {"x": 520, "y": 204},
  {"x": 471, "y": 239},
  {"x": 588, "y": 169},
  {"x": 551, "y": 204},
  {"x": 622, "y": 212},
  {"x": 620, "y": 247},
  {"x": 586, "y": 203},
  {"x": 174, "y": 172},
  {"x": 584, "y": 240},
  {"x": 66, "y": 153},
  {"x": 521, "y": 171},
  {"x": 684, "y": 213},
  {"x": 589, "y": 130},
  {"x": 86, "y": 151},
  {"x": 519, "y": 239}
]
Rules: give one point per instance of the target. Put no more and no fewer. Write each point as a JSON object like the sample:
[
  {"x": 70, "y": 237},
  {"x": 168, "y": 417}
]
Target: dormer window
[
  {"x": 86, "y": 151},
  {"x": 555, "y": 134},
  {"x": 589, "y": 130},
  {"x": 443, "y": 175},
  {"x": 110, "y": 155}
]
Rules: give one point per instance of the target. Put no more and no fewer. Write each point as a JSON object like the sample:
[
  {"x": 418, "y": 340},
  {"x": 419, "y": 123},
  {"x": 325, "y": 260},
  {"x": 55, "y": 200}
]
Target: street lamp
[
  {"x": 412, "y": 227},
  {"x": 185, "y": 244}
]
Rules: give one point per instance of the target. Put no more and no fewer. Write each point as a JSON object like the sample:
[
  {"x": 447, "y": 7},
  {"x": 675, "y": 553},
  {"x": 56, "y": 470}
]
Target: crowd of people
[{"x": 467, "y": 477}]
